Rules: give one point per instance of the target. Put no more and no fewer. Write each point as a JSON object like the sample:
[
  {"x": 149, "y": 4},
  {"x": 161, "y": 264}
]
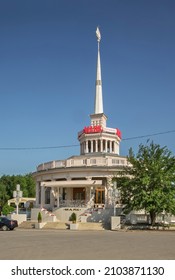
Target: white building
[{"x": 84, "y": 183}]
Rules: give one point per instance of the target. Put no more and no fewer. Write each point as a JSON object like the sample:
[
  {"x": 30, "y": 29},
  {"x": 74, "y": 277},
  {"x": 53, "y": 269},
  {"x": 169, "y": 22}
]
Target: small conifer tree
[
  {"x": 39, "y": 217},
  {"x": 73, "y": 218}
]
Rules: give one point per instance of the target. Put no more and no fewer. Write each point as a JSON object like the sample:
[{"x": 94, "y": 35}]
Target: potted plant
[
  {"x": 73, "y": 219},
  {"x": 39, "y": 225}
]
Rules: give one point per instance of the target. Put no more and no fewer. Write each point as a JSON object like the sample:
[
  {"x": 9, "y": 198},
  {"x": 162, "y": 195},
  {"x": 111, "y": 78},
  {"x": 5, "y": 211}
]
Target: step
[
  {"x": 90, "y": 226},
  {"x": 56, "y": 225},
  {"x": 64, "y": 225},
  {"x": 81, "y": 226},
  {"x": 27, "y": 225}
]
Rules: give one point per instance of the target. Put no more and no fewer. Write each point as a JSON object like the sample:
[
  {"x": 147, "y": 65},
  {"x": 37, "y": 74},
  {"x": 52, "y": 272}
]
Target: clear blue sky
[{"x": 48, "y": 52}]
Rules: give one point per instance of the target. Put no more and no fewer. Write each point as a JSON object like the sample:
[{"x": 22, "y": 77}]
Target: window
[
  {"x": 78, "y": 193},
  {"x": 93, "y": 161},
  {"x": 47, "y": 196},
  {"x": 115, "y": 161},
  {"x": 100, "y": 196}
]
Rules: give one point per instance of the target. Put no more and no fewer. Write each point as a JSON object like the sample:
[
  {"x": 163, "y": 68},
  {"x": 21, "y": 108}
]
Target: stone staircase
[
  {"x": 27, "y": 225},
  {"x": 56, "y": 225},
  {"x": 64, "y": 226},
  {"x": 91, "y": 226},
  {"x": 81, "y": 226},
  {"x": 47, "y": 216}
]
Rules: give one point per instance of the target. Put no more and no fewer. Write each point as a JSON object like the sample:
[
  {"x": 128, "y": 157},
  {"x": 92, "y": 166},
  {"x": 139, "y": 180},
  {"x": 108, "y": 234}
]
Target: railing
[
  {"x": 98, "y": 161},
  {"x": 72, "y": 203},
  {"x": 120, "y": 161}
]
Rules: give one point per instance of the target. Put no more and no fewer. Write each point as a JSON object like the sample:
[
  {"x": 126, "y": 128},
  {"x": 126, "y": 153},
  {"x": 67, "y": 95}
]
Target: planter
[
  {"x": 39, "y": 225},
  {"x": 83, "y": 219},
  {"x": 74, "y": 226},
  {"x": 115, "y": 223}
]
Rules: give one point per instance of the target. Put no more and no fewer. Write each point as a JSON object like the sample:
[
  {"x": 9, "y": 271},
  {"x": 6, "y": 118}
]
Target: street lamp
[
  {"x": 116, "y": 196},
  {"x": 17, "y": 195}
]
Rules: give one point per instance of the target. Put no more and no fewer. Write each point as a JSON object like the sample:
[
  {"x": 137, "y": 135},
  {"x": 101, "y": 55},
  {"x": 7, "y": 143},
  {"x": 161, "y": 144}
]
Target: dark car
[{"x": 7, "y": 224}]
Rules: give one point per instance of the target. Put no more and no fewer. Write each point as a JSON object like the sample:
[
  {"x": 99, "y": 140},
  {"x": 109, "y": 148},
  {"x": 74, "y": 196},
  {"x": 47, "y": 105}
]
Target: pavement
[{"x": 33, "y": 244}]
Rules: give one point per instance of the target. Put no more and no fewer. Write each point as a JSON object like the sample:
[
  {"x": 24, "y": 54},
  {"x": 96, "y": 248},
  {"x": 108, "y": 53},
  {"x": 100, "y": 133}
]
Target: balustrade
[
  {"x": 72, "y": 203},
  {"x": 99, "y": 161}
]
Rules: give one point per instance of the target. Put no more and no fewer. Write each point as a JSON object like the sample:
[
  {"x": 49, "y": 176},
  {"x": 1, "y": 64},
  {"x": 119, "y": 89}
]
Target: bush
[
  {"x": 73, "y": 218},
  {"x": 39, "y": 217}
]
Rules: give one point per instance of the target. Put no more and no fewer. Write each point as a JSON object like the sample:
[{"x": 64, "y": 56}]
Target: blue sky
[{"x": 48, "y": 52}]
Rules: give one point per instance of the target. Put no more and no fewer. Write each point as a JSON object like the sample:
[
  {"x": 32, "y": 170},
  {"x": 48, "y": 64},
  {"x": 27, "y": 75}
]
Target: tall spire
[{"x": 98, "y": 92}]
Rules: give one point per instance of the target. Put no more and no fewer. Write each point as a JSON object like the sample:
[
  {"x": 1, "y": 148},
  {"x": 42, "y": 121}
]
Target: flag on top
[{"x": 98, "y": 34}]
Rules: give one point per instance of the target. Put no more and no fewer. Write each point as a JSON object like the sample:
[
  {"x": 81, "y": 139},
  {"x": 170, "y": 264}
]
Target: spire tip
[{"x": 98, "y": 34}]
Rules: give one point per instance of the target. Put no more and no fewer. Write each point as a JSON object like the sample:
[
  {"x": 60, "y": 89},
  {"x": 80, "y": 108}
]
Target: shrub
[
  {"x": 73, "y": 218},
  {"x": 39, "y": 217}
]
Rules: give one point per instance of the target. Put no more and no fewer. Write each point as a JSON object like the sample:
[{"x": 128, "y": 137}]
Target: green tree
[
  {"x": 3, "y": 195},
  {"x": 149, "y": 182},
  {"x": 8, "y": 185},
  {"x": 7, "y": 209}
]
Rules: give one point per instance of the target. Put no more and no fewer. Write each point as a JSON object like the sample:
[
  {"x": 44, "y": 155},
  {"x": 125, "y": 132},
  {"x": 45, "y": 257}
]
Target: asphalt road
[{"x": 22, "y": 244}]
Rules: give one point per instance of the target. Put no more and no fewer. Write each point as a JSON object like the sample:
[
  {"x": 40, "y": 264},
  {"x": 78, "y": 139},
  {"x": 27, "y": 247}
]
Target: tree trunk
[{"x": 153, "y": 217}]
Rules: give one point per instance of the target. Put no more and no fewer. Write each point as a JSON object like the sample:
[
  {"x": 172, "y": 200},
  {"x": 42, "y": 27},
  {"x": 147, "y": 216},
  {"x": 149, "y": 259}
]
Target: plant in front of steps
[
  {"x": 73, "y": 218},
  {"x": 39, "y": 217}
]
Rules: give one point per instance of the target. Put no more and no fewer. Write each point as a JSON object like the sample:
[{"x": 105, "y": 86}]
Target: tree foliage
[
  {"x": 149, "y": 182},
  {"x": 8, "y": 185},
  {"x": 7, "y": 209}
]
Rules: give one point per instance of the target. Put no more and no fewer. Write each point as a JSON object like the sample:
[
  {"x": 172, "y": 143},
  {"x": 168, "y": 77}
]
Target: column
[
  {"x": 52, "y": 197},
  {"x": 106, "y": 146},
  {"x": 91, "y": 146},
  {"x": 42, "y": 196},
  {"x": 109, "y": 191},
  {"x": 115, "y": 147},
  {"x": 96, "y": 146},
  {"x": 58, "y": 197},
  {"x": 37, "y": 194},
  {"x": 110, "y": 146},
  {"x": 86, "y": 146}
]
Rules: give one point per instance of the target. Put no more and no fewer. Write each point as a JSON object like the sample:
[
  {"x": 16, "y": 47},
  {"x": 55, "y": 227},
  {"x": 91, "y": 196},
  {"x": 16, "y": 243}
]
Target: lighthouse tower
[{"x": 98, "y": 138}]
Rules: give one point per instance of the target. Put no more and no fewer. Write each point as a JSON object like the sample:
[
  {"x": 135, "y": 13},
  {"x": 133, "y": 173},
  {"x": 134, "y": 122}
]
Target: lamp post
[
  {"x": 17, "y": 195},
  {"x": 116, "y": 196}
]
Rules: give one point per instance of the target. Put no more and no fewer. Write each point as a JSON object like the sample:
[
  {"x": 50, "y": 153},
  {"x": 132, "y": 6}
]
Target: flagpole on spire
[
  {"x": 98, "y": 94},
  {"x": 98, "y": 34}
]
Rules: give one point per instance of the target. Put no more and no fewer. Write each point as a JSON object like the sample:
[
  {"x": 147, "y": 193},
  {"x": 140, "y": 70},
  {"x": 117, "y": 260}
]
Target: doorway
[
  {"x": 100, "y": 196},
  {"x": 78, "y": 193}
]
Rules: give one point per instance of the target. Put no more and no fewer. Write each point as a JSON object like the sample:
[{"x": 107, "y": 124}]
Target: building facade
[{"x": 84, "y": 182}]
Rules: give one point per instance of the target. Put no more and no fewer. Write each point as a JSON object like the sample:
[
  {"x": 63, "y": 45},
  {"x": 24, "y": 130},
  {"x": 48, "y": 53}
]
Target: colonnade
[
  {"x": 51, "y": 195},
  {"x": 99, "y": 145}
]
